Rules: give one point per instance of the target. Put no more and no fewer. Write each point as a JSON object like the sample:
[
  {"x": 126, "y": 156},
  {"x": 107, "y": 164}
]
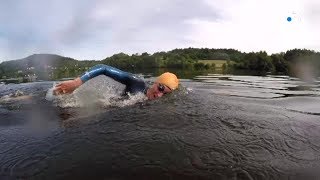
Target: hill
[{"x": 41, "y": 66}]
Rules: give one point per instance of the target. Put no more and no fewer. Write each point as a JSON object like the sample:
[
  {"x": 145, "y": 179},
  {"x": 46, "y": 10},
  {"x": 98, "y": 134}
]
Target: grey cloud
[
  {"x": 175, "y": 12},
  {"x": 132, "y": 18},
  {"x": 68, "y": 26},
  {"x": 313, "y": 11},
  {"x": 27, "y": 25},
  {"x": 139, "y": 22}
]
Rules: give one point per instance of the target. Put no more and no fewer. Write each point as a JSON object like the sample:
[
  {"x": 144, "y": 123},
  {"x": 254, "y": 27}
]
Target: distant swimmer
[{"x": 164, "y": 84}]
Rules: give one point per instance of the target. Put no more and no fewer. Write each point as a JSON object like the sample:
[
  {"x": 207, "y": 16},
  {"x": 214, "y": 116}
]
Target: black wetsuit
[{"x": 133, "y": 83}]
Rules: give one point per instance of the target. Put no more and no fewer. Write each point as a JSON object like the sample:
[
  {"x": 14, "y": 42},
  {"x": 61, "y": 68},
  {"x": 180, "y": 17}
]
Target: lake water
[{"x": 214, "y": 127}]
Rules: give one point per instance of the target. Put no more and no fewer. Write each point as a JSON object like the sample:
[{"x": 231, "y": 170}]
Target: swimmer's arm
[
  {"x": 114, "y": 73},
  {"x": 101, "y": 69}
]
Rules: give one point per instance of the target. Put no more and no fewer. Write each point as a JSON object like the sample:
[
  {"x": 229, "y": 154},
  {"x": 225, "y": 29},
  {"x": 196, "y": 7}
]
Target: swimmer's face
[{"x": 157, "y": 90}]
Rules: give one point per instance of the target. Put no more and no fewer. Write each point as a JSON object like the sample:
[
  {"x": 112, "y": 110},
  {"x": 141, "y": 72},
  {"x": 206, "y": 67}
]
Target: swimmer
[{"x": 164, "y": 84}]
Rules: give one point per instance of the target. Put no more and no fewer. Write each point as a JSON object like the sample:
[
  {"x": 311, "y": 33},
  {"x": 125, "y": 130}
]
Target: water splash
[
  {"x": 49, "y": 94},
  {"x": 15, "y": 96},
  {"x": 100, "y": 91}
]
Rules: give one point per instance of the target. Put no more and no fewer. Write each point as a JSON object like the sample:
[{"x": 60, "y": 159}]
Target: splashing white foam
[
  {"x": 100, "y": 91},
  {"x": 17, "y": 95},
  {"x": 49, "y": 95},
  {"x": 188, "y": 89},
  {"x": 132, "y": 99}
]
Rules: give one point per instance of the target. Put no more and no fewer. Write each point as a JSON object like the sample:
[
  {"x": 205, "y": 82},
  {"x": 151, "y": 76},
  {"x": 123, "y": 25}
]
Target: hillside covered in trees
[{"x": 49, "y": 67}]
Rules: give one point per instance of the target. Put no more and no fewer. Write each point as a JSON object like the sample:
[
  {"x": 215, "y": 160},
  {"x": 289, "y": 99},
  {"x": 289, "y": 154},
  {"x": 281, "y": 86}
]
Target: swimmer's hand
[{"x": 67, "y": 87}]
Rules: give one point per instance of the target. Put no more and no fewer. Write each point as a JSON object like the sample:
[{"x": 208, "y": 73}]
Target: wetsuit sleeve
[{"x": 114, "y": 73}]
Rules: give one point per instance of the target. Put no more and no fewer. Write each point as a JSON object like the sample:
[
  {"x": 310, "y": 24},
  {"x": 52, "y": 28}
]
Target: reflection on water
[
  {"x": 213, "y": 127},
  {"x": 259, "y": 86}
]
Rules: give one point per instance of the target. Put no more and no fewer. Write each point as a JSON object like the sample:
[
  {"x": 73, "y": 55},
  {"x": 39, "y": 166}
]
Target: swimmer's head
[
  {"x": 168, "y": 79},
  {"x": 165, "y": 83}
]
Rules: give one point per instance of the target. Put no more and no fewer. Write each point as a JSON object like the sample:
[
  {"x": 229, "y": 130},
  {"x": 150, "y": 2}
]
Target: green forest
[{"x": 52, "y": 67}]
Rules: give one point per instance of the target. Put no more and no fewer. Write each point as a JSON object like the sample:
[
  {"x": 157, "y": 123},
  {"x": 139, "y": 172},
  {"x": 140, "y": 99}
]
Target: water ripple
[{"x": 198, "y": 134}]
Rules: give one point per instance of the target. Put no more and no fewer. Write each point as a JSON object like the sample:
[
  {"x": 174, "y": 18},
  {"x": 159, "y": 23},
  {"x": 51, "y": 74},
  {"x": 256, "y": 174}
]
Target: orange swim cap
[{"x": 168, "y": 79}]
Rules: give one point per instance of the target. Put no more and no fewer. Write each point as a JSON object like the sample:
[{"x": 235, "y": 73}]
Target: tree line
[{"x": 47, "y": 66}]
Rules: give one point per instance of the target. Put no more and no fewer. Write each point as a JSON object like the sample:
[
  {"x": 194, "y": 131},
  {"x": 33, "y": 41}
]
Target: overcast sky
[{"x": 96, "y": 29}]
